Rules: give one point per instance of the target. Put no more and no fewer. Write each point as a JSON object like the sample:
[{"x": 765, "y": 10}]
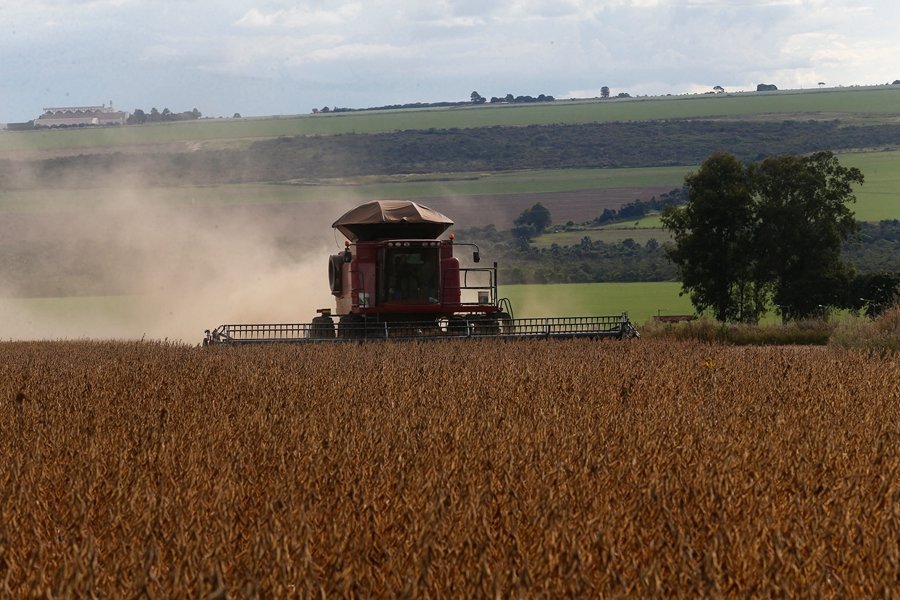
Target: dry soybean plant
[{"x": 448, "y": 469}]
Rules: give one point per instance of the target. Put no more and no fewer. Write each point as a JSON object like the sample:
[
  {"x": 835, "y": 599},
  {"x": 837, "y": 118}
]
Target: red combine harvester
[{"x": 396, "y": 279}]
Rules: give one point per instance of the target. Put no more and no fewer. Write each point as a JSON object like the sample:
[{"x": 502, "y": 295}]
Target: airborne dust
[{"x": 129, "y": 264}]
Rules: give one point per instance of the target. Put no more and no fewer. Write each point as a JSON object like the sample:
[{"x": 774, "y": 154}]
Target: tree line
[
  {"x": 139, "y": 117},
  {"x": 474, "y": 98},
  {"x": 638, "y": 209}
]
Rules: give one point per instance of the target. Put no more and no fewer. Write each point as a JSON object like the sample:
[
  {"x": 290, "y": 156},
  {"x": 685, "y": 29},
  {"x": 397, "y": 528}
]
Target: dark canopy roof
[{"x": 384, "y": 219}]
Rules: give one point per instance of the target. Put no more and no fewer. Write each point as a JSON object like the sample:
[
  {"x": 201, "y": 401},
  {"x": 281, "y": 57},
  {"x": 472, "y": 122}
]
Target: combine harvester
[{"x": 397, "y": 280}]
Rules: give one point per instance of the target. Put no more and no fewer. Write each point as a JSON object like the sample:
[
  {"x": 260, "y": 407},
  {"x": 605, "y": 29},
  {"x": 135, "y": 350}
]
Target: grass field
[
  {"x": 609, "y": 235},
  {"x": 876, "y": 200},
  {"x": 363, "y": 188},
  {"x": 640, "y": 300},
  {"x": 133, "y": 317},
  {"x": 868, "y": 103},
  {"x": 879, "y": 197}
]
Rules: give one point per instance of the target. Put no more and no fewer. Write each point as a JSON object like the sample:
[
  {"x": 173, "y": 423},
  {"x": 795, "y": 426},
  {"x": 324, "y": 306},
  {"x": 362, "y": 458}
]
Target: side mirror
[{"x": 476, "y": 256}]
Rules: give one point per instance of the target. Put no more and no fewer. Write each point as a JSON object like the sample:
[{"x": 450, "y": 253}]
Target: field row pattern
[{"x": 448, "y": 469}]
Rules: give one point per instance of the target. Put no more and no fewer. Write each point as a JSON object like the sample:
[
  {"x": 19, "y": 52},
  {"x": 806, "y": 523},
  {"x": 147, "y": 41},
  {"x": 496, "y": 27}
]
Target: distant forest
[
  {"x": 633, "y": 144},
  {"x": 139, "y": 117},
  {"x": 476, "y": 99}
]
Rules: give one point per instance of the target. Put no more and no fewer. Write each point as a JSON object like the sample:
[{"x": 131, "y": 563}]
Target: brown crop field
[{"x": 451, "y": 469}]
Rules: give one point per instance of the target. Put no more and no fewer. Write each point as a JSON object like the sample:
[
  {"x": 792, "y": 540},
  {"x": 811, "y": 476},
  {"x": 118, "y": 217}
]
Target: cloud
[
  {"x": 352, "y": 52},
  {"x": 300, "y": 17},
  {"x": 386, "y": 51}
]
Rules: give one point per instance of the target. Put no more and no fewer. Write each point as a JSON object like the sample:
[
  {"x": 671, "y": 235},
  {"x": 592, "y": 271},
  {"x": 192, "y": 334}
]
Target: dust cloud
[{"x": 131, "y": 268}]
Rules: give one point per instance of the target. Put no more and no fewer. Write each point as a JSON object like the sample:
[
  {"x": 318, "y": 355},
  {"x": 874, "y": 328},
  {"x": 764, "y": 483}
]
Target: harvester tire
[
  {"x": 351, "y": 327},
  {"x": 487, "y": 325},
  {"x": 322, "y": 328},
  {"x": 457, "y": 326},
  {"x": 505, "y": 322}
]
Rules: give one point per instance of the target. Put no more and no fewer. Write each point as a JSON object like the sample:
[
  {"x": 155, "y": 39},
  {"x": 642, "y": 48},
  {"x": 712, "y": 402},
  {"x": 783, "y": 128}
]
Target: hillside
[
  {"x": 609, "y": 145},
  {"x": 78, "y": 204},
  {"x": 873, "y": 104}
]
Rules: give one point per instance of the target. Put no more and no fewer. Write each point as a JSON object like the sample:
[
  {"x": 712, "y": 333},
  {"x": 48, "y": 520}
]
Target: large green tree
[
  {"x": 804, "y": 217},
  {"x": 713, "y": 235},
  {"x": 772, "y": 228}
]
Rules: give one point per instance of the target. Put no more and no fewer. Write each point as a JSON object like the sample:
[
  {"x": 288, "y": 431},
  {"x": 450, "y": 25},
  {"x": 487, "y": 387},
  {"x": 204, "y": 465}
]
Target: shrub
[
  {"x": 808, "y": 332},
  {"x": 881, "y": 334}
]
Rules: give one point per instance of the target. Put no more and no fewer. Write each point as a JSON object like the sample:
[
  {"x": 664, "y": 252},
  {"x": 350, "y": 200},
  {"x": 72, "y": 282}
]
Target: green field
[
  {"x": 607, "y": 234},
  {"x": 131, "y": 317},
  {"x": 641, "y": 301},
  {"x": 879, "y": 197},
  {"x": 863, "y": 103},
  {"x": 876, "y": 200},
  {"x": 362, "y": 188},
  {"x": 78, "y": 317}
]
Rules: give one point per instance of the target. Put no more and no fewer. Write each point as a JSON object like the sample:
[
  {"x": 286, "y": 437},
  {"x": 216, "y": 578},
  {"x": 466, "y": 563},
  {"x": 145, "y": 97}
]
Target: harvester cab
[
  {"x": 396, "y": 270},
  {"x": 398, "y": 278}
]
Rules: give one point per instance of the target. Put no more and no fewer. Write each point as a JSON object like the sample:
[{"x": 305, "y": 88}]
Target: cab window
[{"x": 410, "y": 274}]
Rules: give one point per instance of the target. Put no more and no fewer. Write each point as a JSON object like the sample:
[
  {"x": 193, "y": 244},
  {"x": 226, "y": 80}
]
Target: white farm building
[{"x": 80, "y": 116}]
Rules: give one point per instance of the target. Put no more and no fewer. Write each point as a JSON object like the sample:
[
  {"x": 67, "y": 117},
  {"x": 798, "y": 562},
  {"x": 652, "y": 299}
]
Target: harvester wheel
[
  {"x": 322, "y": 328},
  {"x": 457, "y": 326},
  {"x": 487, "y": 325},
  {"x": 351, "y": 327}
]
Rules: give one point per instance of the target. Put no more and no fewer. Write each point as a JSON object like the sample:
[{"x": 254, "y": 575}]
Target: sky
[{"x": 278, "y": 57}]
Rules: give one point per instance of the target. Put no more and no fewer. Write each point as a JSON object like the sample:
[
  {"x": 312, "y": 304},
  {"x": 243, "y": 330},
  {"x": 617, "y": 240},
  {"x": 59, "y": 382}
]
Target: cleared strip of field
[
  {"x": 877, "y": 103},
  {"x": 132, "y": 317},
  {"x": 608, "y": 235},
  {"x": 879, "y": 197},
  {"x": 640, "y": 300}
]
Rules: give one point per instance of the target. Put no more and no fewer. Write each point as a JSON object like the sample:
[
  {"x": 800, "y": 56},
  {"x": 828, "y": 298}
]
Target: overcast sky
[{"x": 281, "y": 57}]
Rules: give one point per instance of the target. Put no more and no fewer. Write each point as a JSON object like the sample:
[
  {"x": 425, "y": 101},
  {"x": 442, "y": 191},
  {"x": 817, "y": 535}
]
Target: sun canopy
[{"x": 384, "y": 219}]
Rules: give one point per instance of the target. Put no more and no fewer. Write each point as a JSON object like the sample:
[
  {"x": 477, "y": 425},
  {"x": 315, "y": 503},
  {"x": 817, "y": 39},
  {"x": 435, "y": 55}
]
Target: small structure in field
[{"x": 80, "y": 116}]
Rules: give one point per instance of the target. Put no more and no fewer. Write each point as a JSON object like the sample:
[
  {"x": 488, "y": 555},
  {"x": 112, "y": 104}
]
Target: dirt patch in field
[{"x": 502, "y": 209}]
